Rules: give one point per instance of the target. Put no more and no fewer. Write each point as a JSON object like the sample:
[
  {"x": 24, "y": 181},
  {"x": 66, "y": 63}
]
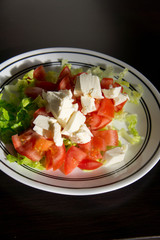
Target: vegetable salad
[{"x": 64, "y": 120}]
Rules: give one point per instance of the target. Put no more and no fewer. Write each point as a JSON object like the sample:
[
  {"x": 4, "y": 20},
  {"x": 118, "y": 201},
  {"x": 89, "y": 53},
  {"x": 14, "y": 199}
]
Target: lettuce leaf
[
  {"x": 22, "y": 160},
  {"x": 128, "y": 137},
  {"x": 15, "y": 119}
]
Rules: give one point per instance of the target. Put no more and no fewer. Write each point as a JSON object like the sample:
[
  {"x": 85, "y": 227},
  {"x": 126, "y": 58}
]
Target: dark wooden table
[{"x": 127, "y": 30}]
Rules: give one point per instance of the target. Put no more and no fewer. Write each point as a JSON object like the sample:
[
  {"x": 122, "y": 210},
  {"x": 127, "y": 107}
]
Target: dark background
[{"x": 127, "y": 30}]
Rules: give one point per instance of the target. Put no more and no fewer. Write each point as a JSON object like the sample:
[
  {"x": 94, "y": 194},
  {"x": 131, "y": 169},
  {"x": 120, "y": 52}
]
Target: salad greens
[{"x": 24, "y": 160}]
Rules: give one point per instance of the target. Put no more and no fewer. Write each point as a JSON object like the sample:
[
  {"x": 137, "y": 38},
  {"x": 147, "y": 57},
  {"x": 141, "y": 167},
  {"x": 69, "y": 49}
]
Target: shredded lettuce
[
  {"x": 120, "y": 79},
  {"x": 131, "y": 121},
  {"x": 68, "y": 143},
  {"x": 64, "y": 63},
  {"x": 130, "y": 138},
  {"x": 134, "y": 96},
  {"x": 22, "y": 160},
  {"x": 107, "y": 73},
  {"x": 29, "y": 75},
  {"x": 132, "y": 135}
]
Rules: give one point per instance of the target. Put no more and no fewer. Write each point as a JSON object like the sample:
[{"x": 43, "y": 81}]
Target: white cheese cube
[
  {"x": 114, "y": 156},
  {"x": 112, "y": 92},
  {"x": 65, "y": 114},
  {"x": 120, "y": 98},
  {"x": 74, "y": 123},
  {"x": 82, "y": 136},
  {"x": 88, "y": 84},
  {"x": 57, "y": 134},
  {"x": 88, "y": 104},
  {"x": 44, "y": 122},
  {"x": 57, "y": 101},
  {"x": 43, "y": 132}
]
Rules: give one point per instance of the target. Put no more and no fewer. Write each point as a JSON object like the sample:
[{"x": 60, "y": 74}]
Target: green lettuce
[
  {"x": 15, "y": 119},
  {"x": 22, "y": 160},
  {"x": 131, "y": 135}
]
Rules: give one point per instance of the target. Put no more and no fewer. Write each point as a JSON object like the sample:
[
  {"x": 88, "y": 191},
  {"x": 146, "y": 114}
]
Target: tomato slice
[
  {"x": 99, "y": 143},
  {"x": 104, "y": 122},
  {"x": 93, "y": 120},
  {"x": 120, "y": 106},
  {"x": 26, "y": 149},
  {"x": 55, "y": 157},
  {"x": 110, "y": 136},
  {"x": 92, "y": 149},
  {"x": 65, "y": 72},
  {"x": 42, "y": 144},
  {"x": 65, "y": 83},
  {"x": 39, "y": 73},
  {"x": 33, "y": 92},
  {"x": 31, "y": 145},
  {"x": 106, "y": 108},
  {"x": 48, "y": 86},
  {"x": 106, "y": 83},
  {"x": 73, "y": 157},
  {"x": 89, "y": 164}
]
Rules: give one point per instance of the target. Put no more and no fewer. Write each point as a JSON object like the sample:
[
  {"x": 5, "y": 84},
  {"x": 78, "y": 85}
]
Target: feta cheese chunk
[
  {"x": 57, "y": 134},
  {"x": 88, "y": 104},
  {"x": 114, "y": 155},
  {"x": 88, "y": 84},
  {"x": 60, "y": 104},
  {"x": 82, "y": 136},
  {"x": 44, "y": 122},
  {"x": 58, "y": 100},
  {"x": 43, "y": 132},
  {"x": 112, "y": 92},
  {"x": 65, "y": 114},
  {"x": 120, "y": 98},
  {"x": 48, "y": 127},
  {"x": 74, "y": 123}
]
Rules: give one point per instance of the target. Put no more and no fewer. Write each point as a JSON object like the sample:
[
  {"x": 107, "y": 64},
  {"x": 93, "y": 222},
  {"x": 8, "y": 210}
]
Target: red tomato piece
[
  {"x": 92, "y": 149},
  {"x": 33, "y": 92},
  {"x": 104, "y": 122},
  {"x": 89, "y": 164},
  {"x": 26, "y": 148},
  {"x": 31, "y": 145},
  {"x": 65, "y": 72},
  {"x": 39, "y": 73},
  {"x": 55, "y": 157},
  {"x": 48, "y": 86},
  {"x": 73, "y": 157},
  {"x": 42, "y": 144},
  {"x": 106, "y": 108},
  {"x": 65, "y": 83},
  {"x": 99, "y": 143},
  {"x": 120, "y": 106},
  {"x": 110, "y": 136},
  {"x": 106, "y": 83},
  {"x": 93, "y": 120}
]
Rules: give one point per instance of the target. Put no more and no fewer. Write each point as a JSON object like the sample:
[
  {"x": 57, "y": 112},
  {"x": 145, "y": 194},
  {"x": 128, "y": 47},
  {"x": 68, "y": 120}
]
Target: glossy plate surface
[{"x": 139, "y": 159}]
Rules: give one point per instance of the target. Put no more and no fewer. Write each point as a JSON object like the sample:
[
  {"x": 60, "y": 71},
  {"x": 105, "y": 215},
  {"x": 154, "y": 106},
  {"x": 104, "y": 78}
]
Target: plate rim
[{"x": 121, "y": 183}]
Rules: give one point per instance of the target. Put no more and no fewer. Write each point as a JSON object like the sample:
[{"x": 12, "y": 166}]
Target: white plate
[{"x": 140, "y": 158}]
